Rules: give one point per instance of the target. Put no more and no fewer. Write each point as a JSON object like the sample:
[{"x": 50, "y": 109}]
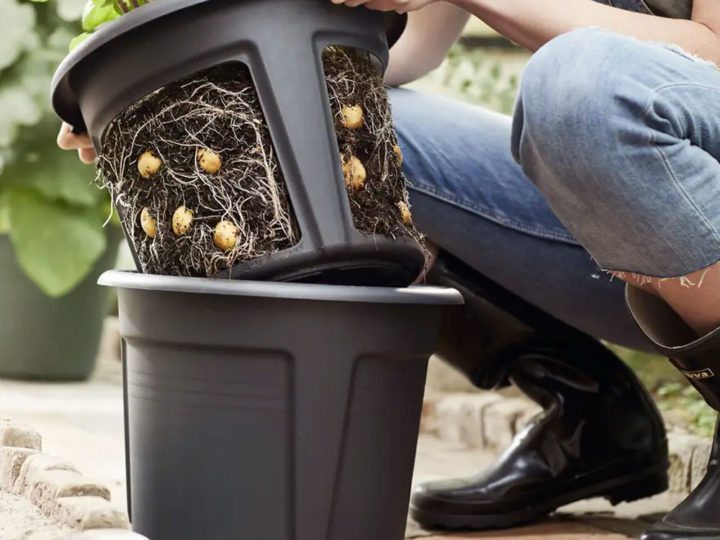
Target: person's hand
[
  {"x": 82, "y": 143},
  {"x": 401, "y": 6}
]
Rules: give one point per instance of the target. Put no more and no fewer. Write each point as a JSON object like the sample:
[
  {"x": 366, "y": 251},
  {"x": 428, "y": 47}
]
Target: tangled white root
[{"x": 218, "y": 113}]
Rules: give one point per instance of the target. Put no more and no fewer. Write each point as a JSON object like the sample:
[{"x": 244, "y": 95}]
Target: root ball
[
  {"x": 218, "y": 111},
  {"x": 226, "y": 235},
  {"x": 355, "y": 174},
  {"x": 353, "y": 116},
  {"x": 182, "y": 220},
  {"x": 149, "y": 164},
  {"x": 148, "y": 223},
  {"x": 209, "y": 161}
]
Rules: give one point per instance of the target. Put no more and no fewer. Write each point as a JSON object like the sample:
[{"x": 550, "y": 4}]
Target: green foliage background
[{"x": 48, "y": 203}]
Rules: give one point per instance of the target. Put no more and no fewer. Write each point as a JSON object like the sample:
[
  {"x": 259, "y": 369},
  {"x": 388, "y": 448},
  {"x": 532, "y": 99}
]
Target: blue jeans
[{"x": 610, "y": 161}]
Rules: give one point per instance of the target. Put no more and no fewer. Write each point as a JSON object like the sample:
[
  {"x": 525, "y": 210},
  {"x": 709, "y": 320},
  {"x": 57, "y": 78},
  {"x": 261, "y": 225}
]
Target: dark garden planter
[
  {"x": 50, "y": 338},
  {"x": 272, "y": 411},
  {"x": 281, "y": 43}
]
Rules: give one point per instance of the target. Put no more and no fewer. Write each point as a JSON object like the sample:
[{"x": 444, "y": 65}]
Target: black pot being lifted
[
  {"x": 281, "y": 42},
  {"x": 272, "y": 411}
]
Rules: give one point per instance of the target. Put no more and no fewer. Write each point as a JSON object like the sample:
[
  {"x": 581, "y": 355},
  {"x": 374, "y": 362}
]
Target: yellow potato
[
  {"x": 149, "y": 164},
  {"x": 182, "y": 220},
  {"x": 148, "y": 223},
  {"x": 226, "y": 235},
  {"x": 354, "y": 172},
  {"x": 209, "y": 161},
  {"x": 353, "y": 116},
  {"x": 405, "y": 212},
  {"x": 399, "y": 153}
]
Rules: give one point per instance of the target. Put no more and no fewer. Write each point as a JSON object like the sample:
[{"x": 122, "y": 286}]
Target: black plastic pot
[
  {"x": 51, "y": 339},
  {"x": 272, "y": 411},
  {"x": 281, "y": 42}
]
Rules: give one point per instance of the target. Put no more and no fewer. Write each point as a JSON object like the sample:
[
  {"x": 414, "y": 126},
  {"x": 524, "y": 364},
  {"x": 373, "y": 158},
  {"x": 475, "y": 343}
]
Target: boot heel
[{"x": 640, "y": 488}]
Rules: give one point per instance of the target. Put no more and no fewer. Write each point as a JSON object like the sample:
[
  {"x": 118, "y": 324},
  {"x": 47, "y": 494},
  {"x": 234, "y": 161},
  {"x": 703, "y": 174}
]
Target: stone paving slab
[
  {"x": 18, "y": 516},
  {"x": 44, "y": 497},
  {"x": 82, "y": 422}
]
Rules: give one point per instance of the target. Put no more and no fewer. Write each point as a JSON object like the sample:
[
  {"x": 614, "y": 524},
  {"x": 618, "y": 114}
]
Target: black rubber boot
[
  {"x": 698, "y": 516},
  {"x": 599, "y": 434}
]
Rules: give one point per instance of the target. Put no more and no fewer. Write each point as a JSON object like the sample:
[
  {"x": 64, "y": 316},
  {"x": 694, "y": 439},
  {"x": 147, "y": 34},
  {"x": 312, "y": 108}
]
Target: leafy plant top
[{"x": 99, "y": 12}]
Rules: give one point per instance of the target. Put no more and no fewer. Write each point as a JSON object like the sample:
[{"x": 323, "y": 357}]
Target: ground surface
[
  {"x": 18, "y": 516},
  {"x": 83, "y": 422}
]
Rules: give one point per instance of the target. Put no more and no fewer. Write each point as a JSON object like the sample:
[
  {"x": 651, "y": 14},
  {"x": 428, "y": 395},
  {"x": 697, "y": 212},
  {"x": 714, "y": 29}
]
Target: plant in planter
[
  {"x": 52, "y": 241},
  {"x": 255, "y": 141},
  {"x": 220, "y": 155},
  {"x": 98, "y": 12}
]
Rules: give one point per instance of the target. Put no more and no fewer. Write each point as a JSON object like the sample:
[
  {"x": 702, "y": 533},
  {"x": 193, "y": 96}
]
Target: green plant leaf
[
  {"x": 95, "y": 15},
  {"x": 24, "y": 85},
  {"x": 77, "y": 40},
  {"x": 17, "y": 108},
  {"x": 4, "y": 217},
  {"x": 56, "y": 244},
  {"x": 35, "y": 161},
  {"x": 17, "y": 22}
]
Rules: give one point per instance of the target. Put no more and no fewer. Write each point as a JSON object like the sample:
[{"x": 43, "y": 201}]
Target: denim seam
[
  {"x": 666, "y": 161},
  {"x": 708, "y": 261},
  {"x": 485, "y": 214}
]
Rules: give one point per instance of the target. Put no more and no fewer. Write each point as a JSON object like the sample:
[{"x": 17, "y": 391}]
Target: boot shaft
[
  {"x": 497, "y": 338},
  {"x": 697, "y": 358},
  {"x": 494, "y": 327}
]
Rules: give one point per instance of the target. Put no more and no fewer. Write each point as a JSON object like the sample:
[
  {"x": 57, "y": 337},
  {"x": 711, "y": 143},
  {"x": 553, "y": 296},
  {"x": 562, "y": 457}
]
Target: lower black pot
[{"x": 272, "y": 411}]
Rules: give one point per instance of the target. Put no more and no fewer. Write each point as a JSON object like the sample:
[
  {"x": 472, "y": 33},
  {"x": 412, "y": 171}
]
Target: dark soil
[
  {"x": 353, "y": 79},
  {"x": 219, "y": 109}
]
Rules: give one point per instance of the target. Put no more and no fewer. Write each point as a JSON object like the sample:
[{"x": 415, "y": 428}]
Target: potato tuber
[
  {"x": 399, "y": 153},
  {"x": 354, "y": 172},
  {"x": 405, "y": 212},
  {"x": 209, "y": 161},
  {"x": 182, "y": 220},
  {"x": 149, "y": 164},
  {"x": 148, "y": 223},
  {"x": 352, "y": 116},
  {"x": 226, "y": 235}
]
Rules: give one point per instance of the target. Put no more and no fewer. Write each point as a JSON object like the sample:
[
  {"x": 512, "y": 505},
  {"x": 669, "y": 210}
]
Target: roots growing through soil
[
  {"x": 218, "y": 113},
  {"x": 381, "y": 206},
  {"x": 218, "y": 110}
]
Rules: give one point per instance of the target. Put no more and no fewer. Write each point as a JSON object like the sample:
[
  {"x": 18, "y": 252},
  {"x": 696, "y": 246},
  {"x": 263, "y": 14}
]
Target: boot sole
[{"x": 618, "y": 490}]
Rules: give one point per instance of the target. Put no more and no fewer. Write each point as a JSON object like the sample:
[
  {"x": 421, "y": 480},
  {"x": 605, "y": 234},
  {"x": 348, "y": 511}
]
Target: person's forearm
[
  {"x": 532, "y": 23},
  {"x": 425, "y": 43}
]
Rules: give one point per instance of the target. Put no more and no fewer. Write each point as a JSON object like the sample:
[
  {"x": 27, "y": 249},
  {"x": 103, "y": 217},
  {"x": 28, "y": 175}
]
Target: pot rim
[
  {"x": 66, "y": 106},
  {"x": 111, "y": 30},
  {"x": 417, "y": 294}
]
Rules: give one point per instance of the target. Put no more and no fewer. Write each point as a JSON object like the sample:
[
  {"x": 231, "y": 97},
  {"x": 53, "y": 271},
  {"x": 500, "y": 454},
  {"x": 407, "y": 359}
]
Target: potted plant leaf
[{"x": 52, "y": 241}]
